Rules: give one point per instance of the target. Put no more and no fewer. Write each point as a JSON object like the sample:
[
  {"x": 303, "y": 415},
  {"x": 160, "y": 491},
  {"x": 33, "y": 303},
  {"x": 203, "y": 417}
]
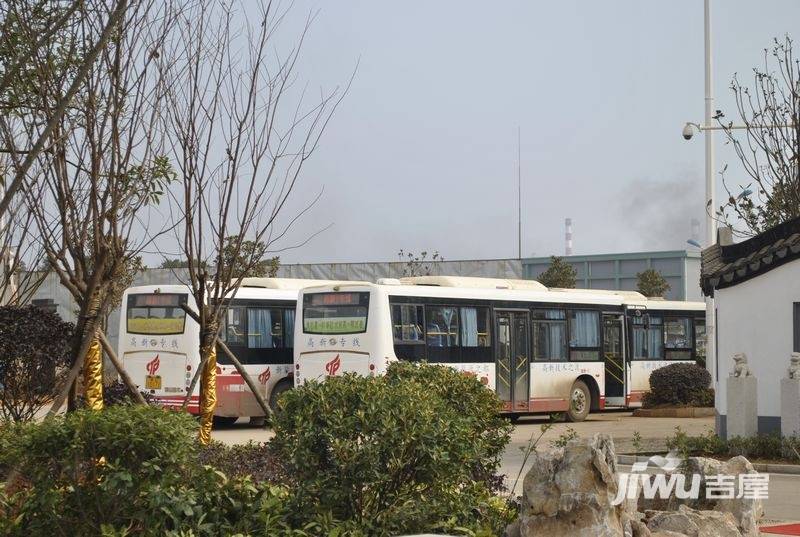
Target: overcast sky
[{"x": 422, "y": 153}]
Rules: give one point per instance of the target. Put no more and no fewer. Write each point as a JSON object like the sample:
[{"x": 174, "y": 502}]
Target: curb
[
  {"x": 769, "y": 468},
  {"x": 679, "y": 412}
]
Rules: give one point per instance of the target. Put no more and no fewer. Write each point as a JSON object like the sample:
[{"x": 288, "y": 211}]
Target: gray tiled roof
[{"x": 724, "y": 266}]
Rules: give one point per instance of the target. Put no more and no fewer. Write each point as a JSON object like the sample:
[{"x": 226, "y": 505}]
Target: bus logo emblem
[
  {"x": 333, "y": 366},
  {"x": 153, "y": 365},
  {"x": 264, "y": 377}
]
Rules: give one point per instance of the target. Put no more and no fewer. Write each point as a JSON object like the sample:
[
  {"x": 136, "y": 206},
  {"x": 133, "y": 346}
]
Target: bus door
[
  {"x": 614, "y": 359},
  {"x": 513, "y": 364}
]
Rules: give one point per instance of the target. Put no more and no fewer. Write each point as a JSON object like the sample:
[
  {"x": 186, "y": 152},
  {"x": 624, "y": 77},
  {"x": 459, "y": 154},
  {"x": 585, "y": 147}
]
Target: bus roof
[
  {"x": 473, "y": 282},
  {"x": 282, "y": 283},
  {"x": 274, "y": 288},
  {"x": 515, "y": 290}
]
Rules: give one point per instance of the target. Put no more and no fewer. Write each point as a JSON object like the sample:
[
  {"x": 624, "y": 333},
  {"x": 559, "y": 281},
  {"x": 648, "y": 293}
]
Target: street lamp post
[
  {"x": 711, "y": 235},
  {"x": 710, "y": 206}
]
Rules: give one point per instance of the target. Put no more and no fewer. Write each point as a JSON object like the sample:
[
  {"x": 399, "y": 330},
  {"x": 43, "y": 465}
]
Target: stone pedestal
[
  {"x": 742, "y": 417},
  {"x": 790, "y": 407}
]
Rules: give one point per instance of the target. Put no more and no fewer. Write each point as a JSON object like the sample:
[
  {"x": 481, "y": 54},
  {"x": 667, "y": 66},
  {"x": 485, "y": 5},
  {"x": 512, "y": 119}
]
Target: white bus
[
  {"x": 159, "y": 344},
  {"x": 542, "y": 350}
]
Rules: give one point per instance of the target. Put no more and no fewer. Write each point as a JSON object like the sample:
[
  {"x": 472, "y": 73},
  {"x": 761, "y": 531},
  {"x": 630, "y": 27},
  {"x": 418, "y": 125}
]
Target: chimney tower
[{"x": 568, "y": 236}]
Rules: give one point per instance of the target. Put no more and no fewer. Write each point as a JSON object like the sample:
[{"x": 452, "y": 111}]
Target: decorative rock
[
  {"x": 678, "y": 522},
  {"x": 745, "y": 512},
  {"x": 712, "y": 523},
  {"x": 639, "y": 529},
  {"x": 569, "y": 492}
]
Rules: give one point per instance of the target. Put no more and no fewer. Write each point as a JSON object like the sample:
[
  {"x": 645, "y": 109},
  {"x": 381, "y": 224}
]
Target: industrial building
[{"x": 681, "y": 268}]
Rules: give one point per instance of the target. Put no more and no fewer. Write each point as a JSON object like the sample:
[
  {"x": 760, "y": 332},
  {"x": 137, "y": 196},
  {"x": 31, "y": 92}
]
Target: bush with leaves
[
  {"x": 34, "y": 353},
  {"x": 257, "y": 460},
  {"x": 137, "y": 470},
  {"x": 400, "y": 453},
  {"x": 133, "y": 470},
  {"x": 679, "y": 384},
  {"x": 769, "y": 446}
]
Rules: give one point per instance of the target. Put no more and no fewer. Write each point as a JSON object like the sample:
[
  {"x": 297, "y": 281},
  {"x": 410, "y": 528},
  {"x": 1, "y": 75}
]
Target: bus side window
[
  {"x": 442, "y": 334},
  {"x": 700, "y": 341},
  {"x": 678, "y": 338},
  {"x": 648, "y": 338},
  {"x": 549, "y": 335},
  {"x": 235, "y": 329},
  {"x": 584, "y": 335},
  {"x": 476, "y": 335},
  {"x": 408, "y": 321},
  {"x": 288, "y": 328},
  {"x": 264, "y": 328}
]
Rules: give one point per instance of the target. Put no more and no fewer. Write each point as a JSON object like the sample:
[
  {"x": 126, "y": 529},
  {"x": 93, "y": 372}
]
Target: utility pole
[
  {"x": 519, "y": 192},
  {"x": 710, "y": 205}
]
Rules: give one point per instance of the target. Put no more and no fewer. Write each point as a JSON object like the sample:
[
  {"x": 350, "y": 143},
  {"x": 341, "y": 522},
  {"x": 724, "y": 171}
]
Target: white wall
[{"x": 755, "y": 317}]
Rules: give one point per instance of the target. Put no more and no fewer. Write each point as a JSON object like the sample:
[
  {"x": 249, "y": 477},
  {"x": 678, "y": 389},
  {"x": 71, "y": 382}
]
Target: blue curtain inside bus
[
  {"x": 259, "y": 333},
  {"x": 648, "y": 342},
  {"x": 549, "y": 335},
  {"x": 469, "y": 327},
  {"x": 585, "y": 329},
  {"x": 288, "y": 328}
]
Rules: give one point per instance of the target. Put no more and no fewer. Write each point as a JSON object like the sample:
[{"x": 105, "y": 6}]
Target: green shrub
[
  {"x": 679, "y": 384},
  {"x": 255, "y": 460},
  {"x": 761, "y": 446},
  {"x": 34, "y": 355},
  {"x": 401, "y": 453},
  {"x": 89, "y": 468},
  {"x": 134, "y": 470}
]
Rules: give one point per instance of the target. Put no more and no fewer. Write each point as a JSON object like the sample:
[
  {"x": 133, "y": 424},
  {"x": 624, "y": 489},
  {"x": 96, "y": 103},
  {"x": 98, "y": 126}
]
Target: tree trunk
[
  {"x": 208, "y": 385},
  {"x": 93, "y": 375},
  {"x": 126, "y": 378}
]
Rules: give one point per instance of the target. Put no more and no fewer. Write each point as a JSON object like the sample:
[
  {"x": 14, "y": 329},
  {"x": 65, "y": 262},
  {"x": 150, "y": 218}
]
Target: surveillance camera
[{"x": 688, "y": 132}]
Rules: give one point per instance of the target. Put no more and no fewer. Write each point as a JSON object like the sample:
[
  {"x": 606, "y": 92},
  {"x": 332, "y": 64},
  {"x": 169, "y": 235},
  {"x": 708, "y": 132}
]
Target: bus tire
[
  {"x": 277, "y": 391},
  {"x": 580, "y": 401},
  {"x": 224, "y": 421}
]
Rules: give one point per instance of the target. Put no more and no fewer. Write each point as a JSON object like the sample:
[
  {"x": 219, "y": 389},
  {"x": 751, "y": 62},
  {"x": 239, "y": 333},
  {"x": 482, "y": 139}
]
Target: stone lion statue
[
  {"x": 794, "y": 366},
  {"x": 740, "y": 368}
]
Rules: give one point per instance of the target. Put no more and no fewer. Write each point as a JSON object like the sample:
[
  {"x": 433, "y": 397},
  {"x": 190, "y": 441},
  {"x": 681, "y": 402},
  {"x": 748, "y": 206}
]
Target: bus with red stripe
[
  {"x": 159, "y": 344},
  {"x": 541, "y": 350}
]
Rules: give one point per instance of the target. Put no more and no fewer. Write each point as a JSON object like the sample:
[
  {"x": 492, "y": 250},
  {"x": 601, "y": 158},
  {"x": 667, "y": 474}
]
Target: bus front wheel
[
  {"x": 580, "y": 401},
  {"x": 277, "y": 391}
]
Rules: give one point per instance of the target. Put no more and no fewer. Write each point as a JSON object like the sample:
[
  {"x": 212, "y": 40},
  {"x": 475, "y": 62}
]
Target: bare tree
[
  {"x": 240, "y": 144},
  {"x": 33, "y": 34},
  {"x": 20, "y": 255},
  {"x": 103, "y": 170},
  {"x": 419, "y": 265},
  {"x": 769, "y": 148}
]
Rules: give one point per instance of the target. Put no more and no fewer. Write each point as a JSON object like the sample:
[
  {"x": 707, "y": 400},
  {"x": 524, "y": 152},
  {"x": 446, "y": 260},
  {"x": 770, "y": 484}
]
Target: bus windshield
[
  {"x": 335, "y": 313},
  {"x": 156, "y": 314}
]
